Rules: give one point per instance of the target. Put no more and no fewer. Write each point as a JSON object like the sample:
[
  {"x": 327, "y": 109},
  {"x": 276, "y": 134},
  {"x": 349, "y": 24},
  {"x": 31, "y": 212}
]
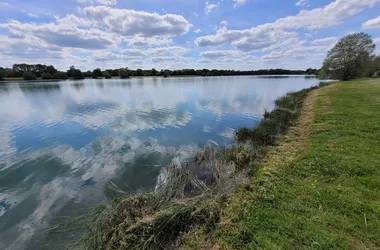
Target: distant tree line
[{"x": 34, "y": 71}]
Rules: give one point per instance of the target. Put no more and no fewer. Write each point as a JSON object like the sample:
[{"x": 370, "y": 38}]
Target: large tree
[{"x": 350, "y": 58}]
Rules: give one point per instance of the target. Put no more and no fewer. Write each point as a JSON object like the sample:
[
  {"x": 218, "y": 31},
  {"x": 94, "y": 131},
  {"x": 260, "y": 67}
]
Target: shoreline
[{"x": 21, "y": 80}]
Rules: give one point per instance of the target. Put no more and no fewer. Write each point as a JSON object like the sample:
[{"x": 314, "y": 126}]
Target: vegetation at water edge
[{"x": 318, "y": 187}]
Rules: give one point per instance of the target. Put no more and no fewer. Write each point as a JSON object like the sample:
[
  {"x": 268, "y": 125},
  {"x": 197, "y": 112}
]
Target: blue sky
[{"x": 224, "y": 34}]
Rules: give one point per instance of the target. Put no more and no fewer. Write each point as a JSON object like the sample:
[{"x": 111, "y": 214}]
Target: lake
[{"x": 62, "y": 142}]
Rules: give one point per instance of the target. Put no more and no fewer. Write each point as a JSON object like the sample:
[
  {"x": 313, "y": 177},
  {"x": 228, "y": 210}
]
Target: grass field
[{"x": 319, "y": 188}]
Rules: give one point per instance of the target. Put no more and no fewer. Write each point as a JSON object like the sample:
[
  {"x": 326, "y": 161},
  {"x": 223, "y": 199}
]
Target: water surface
[{"x": 62, "y": 142}]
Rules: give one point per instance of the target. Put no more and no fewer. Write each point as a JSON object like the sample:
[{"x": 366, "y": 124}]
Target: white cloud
[
  {"x": 130, "y": 22},
  {"x": 102, "y": 56},
  {"x": 99, "y": 28},
  {"x": 273, "y": 35},
  {"x": 327, "y": 40},
  {"x": 209, "y": 7},
  {"x": 155, "y": 54},
  {"x": 330, "y": 15},
  {"x": 220, "y": 54},
  {"x": 205, "y": 61},
  {"x": 172, "y": 50},
  {"x": 256, "y": 39},
  {"x": 239, "y": 3},
  {"x": 301, "y": 3},
  {"x": 62, "y": 34},
  {"x": 224, "y": 23},
  {"x": 372, "y": 24},
  {"x": 197, "y": 31},
  {"x": 141, "y": 41},
  {"x": 104, "y": 2},
  {"x": 133, "y": 52},
  {"x": 300, "y": 52},
  {"x": 5, "y": 4},
  {"x": 376, "y": 40},
  {"x": 33, "y": 15}
]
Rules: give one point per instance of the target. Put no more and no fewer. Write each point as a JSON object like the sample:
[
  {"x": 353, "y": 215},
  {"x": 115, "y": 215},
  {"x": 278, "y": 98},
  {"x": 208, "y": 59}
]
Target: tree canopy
[
  {"x": 36, "y": 69},
  {"x": 352, "y": 57}
]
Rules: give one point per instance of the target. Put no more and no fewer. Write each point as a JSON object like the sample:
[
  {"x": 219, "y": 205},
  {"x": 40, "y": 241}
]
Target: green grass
[{"x": 328, "y": 197}]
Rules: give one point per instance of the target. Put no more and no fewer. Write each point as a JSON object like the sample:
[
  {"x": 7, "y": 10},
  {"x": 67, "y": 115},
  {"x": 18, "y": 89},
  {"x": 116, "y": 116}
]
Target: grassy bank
[{"x": 319, "y": 186}]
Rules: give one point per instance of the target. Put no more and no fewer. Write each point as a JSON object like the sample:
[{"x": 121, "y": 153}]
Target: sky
[{"x": 175, "y": 34}]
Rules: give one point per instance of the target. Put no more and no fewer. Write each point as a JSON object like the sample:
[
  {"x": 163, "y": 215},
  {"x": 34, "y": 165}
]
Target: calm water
[{"x": 62, "y": 142}]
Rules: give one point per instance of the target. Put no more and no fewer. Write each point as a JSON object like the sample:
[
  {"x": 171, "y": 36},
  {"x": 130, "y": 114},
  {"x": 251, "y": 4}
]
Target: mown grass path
[{"x": 319, "y": 188}]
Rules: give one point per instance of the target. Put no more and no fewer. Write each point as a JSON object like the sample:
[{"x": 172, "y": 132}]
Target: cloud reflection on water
[{"x": 101, "y": 130}]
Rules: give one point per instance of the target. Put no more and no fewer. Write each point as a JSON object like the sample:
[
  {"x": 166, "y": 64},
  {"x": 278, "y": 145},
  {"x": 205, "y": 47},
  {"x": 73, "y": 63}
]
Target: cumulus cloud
[
  {"x": 223, "y": 23},
  {"x": 104, "y": 2},
  {"x": 61, "y": 33},
  {"x": 372, "y": 24},
  {"x": 130, "y": 22},
  {"x": 159, "y": 54},
  {"x": 255, "y": 39},
  {"x": 376, "y": 40},
  {"x": 209, "y": 7},
  {"x": 273, "y": 35},
  {"x": 197, "y": 31},
  {"x": 300, "y": 52},
  {"x": 95, "y": 28},
  {"x": 330, "y": 15}
]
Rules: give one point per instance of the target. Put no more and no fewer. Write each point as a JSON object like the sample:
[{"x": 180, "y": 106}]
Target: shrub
[
  {"x": 123, "y": 73},
  {"x": 77, "y": 74},
  {"x": 60, "y": 75},
  {"x": 107, "y": 75},
  {"x": 46, "y": 76},
  {"x": 323, "y": 84},
  {"x": 29, "y": 76}
]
